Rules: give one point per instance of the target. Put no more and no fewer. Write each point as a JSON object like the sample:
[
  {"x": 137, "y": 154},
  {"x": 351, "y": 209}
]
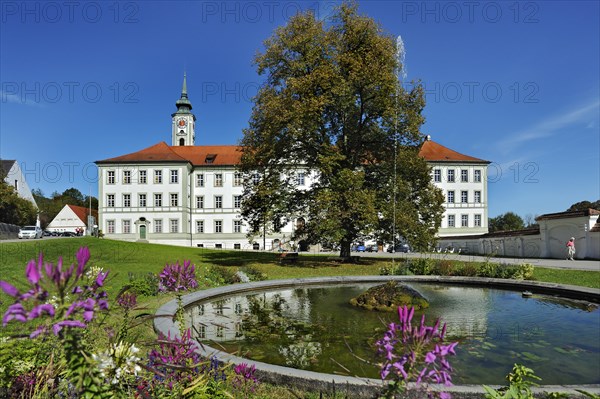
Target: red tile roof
[
  {"x": 82, "y": 213},
  {"x": 434, "y": 152},
  {"x": 218, "y": 155},
  {"x": 568, "y": 214},
  {"x": 230, "y": 155}
]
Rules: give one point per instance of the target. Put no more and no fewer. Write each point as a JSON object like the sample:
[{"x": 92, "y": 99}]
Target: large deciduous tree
[
  {"x": 333, "y": 108},
  {"x": 506, "y": 222}
]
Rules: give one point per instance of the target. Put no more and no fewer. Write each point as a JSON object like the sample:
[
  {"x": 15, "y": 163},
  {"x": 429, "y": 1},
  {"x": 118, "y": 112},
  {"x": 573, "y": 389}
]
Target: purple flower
[
  {"x": 176, "y": 277},
  {"x": 9, "y": 289},
  {"x": 60, "y": 280},
  {"x": 127, "y": 300},
  {"x": 416, "y": 353}
]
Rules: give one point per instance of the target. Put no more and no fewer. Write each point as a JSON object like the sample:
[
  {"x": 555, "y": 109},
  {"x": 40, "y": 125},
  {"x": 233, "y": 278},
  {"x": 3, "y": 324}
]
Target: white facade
[
  {"x": 466, "y": 197},
  {"x": 70, "y": 218},
  {"x": 15, "y": 178},
  {"x": 190, "y": 195}
]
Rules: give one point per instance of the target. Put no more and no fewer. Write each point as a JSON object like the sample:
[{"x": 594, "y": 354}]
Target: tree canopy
[
  {"x": 332, "y": 110},
  {"x": 13, "y": 208},
  {"x": 505, "y": 222},
  {"x": 584, "y": 205}
]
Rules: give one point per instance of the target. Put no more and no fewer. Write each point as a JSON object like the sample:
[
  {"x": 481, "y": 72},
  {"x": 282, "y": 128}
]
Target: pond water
[{"x": 315, "y": 328}]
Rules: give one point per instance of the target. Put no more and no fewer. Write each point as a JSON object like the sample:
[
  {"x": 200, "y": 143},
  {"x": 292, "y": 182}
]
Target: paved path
[{"x": 550, "y": 263}]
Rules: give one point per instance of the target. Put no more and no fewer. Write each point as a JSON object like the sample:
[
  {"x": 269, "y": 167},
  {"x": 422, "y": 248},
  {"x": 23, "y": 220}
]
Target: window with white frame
[
  {"x": 143, "y": 177},
  {"x": 451, "y": 222},
  {"x": 157, "y": 199},
  {"x": 201, "y": 331},
  {"x": 158, "y": 227},
  {"x": 110, "y": 177},
  {"x": 300, "y": 178},
  {"x": 174, "y": 225},
  {"x": 477, "y": 175},
  {"x": 237, "y": 226},
  {"x": 237, "y": 201},
  {"x": 199, "y": 201},
  {"x": 464, "y": 220},
  {"x": 199, "y": 226},
  {"x": 158, "y": 176},
  {"x": 200, "y": 180},
  {"x": 450, "y": 196},
  {"x": 238, "y": 179},
  {"x": 126, "y": 177},
  {"x": 464, "y": 196},
  {"x": 142, "y": 200},
  {"x": 174, "y": 176},
  {"x": 110, "y": 200},
  {"x": 174, "y": 199},
  {"x": 126, "y": 226},
  {"x": 437, "y": 175},
  {"x": 478, "y": 197},
  {"x": 256, "y": 178},
  {"x": 464, "y": 175},
  {"x": 110, "y": 226},
  {"x": 477, "y": 220},
  {"x": 218, "y": 201},
  {"x": 451, "y": 175},
  {"x": 218, "y": 226},
  {"x": 220, "y": 330},
  {"x": 218, "y": 179},
  {"x": 127, "y": 200}
]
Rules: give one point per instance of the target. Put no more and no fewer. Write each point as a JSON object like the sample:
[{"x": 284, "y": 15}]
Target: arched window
[{"x": 182, "y": 141}]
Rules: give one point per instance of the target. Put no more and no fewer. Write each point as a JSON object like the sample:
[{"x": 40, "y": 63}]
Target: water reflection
[{"x": 315, "y": 328}]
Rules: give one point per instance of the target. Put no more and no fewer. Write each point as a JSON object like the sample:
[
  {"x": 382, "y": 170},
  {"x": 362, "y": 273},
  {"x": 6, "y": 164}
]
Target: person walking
[{"x": 571, "y": 248}]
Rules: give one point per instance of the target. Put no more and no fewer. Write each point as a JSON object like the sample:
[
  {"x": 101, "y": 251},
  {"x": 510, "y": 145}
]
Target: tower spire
[
  {"x": 184, "y": 88},
  {"x": 183, "y": 119}
]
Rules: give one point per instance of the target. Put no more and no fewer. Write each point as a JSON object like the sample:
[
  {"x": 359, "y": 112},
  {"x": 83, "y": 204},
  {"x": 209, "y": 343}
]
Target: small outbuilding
[{"x": 75, "y": 219}]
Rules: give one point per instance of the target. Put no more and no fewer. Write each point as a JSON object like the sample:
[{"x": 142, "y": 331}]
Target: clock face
[{"x": 181, "y": 123}]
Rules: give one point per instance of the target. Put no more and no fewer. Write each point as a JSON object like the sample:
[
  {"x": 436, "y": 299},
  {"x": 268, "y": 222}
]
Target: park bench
[{"x": 288, "y": 257}]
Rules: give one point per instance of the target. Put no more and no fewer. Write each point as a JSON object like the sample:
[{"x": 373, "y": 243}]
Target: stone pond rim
[{"x": 357, "y": 387}]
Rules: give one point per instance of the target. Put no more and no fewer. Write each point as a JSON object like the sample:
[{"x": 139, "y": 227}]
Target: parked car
[
  {"x": 400, "y": 248},
  {"x": 47, "y": 233},
  {"x": 30, "y": 232},
  {"x": 372, "y": 248},
  {"x": 68, "y": 234},
  {"x": 359, "y": 248}
]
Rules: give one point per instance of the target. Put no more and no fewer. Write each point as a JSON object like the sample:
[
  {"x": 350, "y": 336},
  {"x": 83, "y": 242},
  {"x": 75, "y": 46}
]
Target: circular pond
[{"x": 308, "y": 327}]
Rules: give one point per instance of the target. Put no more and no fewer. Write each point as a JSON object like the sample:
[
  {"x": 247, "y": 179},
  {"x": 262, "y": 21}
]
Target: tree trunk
[{"x": 345, "y": 249}]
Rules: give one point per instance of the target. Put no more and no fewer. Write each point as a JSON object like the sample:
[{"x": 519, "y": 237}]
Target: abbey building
[{"x": 189, "y": 195}]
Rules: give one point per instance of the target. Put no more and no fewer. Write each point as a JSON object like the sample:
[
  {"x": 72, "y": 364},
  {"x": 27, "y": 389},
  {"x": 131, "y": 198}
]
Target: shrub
[
  {"x": 254, "y": 273},
  {"x": 144, "y": 284},
  {"x": 524, "y": 271},
  {"x": 421, "y": 266},
  {"x": 468, "y": 270},
  {"x": 487, "y": 269},
  {"x": 444, "y": 268}
]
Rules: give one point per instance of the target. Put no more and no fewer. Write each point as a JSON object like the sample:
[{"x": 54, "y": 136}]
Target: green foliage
[
  {"x": 143, "y": 284},
  {"x": 13, "y": 208},
  {"x": 487, "y": 269},
  {"x": 254, "y": 273},
  {"x": 525, "y": 271},
  {"x": 20, "y": 356},
  {"x": 520, "y": 380},
  {"x": 332, "y": 104},
  {"x": 422, "y": 266},
  {"x": 584, "y": 205},
  {"x": 506, "y": 222}
]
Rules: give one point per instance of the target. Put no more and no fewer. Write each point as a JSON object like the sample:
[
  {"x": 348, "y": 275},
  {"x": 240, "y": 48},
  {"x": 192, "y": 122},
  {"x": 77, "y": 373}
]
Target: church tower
[{"x": 183, "y": 131}]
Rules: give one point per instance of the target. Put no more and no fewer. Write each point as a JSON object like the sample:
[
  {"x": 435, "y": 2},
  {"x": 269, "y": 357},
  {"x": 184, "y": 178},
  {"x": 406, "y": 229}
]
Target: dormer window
[{"x": 210, "y": 158}]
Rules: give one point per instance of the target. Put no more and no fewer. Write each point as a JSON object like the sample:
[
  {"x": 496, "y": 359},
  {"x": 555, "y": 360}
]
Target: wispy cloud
[
  {"x": 551, "y": 126},
  {"x": 17, "y": 99}
]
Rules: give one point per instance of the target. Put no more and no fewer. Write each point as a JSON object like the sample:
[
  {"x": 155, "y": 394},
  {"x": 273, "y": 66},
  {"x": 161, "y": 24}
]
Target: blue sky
[{"x": 515, "y": 83}]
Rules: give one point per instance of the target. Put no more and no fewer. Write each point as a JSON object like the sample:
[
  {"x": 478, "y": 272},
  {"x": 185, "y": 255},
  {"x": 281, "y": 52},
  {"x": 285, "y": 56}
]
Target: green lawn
[{"x": 122, "y": 258}]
